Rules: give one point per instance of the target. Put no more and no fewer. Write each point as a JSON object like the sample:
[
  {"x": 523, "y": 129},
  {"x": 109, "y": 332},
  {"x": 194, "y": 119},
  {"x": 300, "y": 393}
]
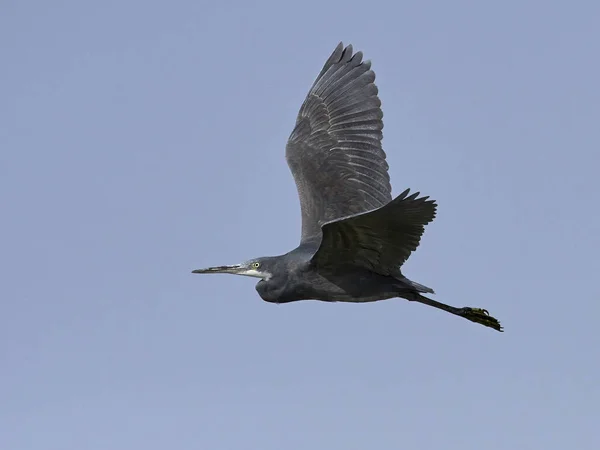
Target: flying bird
[{"x": 355, "y": 237}]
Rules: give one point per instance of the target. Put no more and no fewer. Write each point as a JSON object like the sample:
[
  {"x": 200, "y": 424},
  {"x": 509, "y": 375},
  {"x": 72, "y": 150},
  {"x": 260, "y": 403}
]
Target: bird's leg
[{"x": 476, "y": 315}]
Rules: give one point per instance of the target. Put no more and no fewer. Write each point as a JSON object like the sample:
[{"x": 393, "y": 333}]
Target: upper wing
[
  {"x": 335, "y": 152},
  {"x": 380, "y": 240}
]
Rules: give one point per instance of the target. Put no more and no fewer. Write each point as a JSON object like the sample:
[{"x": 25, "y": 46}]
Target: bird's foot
[{"x": 481, "y": 316}]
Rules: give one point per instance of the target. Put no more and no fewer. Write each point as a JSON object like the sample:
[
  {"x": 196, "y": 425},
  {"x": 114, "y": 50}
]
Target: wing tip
[
  {"x": 419, "y": 203},
  {"x": 345, "y": 53}
]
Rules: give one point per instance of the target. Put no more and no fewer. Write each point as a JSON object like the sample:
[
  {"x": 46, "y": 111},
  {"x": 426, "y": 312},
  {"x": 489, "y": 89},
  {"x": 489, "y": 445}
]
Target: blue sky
[{"x": 141, "y": 140}]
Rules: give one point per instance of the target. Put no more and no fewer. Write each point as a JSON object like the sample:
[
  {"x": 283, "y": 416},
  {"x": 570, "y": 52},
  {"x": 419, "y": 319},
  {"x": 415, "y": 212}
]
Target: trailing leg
[{"x": 476, "y": 315}]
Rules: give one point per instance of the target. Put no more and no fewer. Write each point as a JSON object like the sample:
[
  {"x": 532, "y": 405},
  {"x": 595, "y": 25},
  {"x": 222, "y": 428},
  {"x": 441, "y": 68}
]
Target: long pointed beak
[{"x": 235, "y": 269}]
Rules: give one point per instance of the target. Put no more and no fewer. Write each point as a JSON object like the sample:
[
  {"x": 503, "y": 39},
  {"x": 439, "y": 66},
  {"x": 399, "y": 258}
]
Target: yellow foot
[{"x": 481, "y": 316}]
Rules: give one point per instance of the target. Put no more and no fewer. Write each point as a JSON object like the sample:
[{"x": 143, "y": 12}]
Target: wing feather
[
  {"x": 334, "y": 151},
  {"x": 379, "y": 240}
]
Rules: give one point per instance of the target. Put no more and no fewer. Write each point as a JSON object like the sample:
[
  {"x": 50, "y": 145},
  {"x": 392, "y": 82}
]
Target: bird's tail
[{"x": 417, "y": 286}]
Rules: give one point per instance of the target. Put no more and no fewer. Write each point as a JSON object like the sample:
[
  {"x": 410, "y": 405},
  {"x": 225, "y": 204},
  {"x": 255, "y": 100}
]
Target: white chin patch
[{"x": 256, "y": 274}]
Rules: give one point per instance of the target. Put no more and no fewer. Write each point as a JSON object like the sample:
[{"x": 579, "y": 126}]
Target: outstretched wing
[
  {"x": 380, "y": 240},
  {"x": 335, "y": 152}
]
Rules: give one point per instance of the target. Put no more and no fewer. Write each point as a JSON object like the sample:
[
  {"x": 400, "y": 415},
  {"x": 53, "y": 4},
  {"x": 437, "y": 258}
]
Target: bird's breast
[{"x": 282, "y": 290}]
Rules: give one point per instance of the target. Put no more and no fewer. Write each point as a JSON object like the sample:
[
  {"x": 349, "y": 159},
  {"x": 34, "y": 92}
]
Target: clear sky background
[{"x": 140, "y": 140}]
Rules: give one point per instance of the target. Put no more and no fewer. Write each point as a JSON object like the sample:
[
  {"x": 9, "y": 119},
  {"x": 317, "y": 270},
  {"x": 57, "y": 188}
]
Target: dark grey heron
[{"x": 355, "y": 238}]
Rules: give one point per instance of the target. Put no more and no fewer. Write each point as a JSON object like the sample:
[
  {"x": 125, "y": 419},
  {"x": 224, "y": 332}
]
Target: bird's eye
[{"x": 255, "y": 265}]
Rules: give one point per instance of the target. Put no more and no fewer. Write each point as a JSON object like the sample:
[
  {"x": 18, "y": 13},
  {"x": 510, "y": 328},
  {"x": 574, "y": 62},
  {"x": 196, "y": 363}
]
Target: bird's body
[
  {"x": 355, "y": 238},
  {"x": 297, "y": 279}
]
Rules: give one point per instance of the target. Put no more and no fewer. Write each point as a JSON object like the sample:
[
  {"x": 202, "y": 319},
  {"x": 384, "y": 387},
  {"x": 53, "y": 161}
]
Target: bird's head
[{"x": 257, "y": 267}]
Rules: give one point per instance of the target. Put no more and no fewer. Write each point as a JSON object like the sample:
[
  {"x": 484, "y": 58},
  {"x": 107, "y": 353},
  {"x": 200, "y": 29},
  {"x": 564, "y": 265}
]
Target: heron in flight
[{"x": 354, "y": 238}]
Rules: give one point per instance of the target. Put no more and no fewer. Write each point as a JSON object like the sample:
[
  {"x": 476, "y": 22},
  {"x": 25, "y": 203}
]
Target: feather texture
[
  {"x": 379, "y": 240},
  {"x": 334, "y": 151}
]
